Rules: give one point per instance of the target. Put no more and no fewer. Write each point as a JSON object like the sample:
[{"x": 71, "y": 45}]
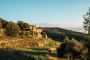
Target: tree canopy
[
  {"x": 86, "y": 23},
  {"x": 12, "y": 29},
  {"x": 22, "y": 25},
  {"x": 4, "y": 22},
  {"x": 65, "y": 38},
  {"x": 25, "y": 25},
  {"x": 72, "y": 49}
]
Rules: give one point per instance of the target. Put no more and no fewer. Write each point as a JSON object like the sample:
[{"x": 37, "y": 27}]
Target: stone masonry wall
[{"x": 38, "y": 30}]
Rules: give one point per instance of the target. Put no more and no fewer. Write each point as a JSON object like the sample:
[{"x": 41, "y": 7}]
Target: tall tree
[
  {"x": 20, "y": 24},
  {"x": 25, "y": 25},
  {"x": 12, "y": 29},
  {"x": 86, "y": 23},
  {"x": 4, "y": 22}
]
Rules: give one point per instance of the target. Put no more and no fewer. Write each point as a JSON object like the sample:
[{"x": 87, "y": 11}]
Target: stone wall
[
  {"x": 44, "y": 36},
  {"x": 38, "y": 30},
  {"x": 32, "y": 27}
]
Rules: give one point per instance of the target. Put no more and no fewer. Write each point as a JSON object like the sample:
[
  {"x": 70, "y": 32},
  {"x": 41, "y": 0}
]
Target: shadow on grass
[
  {"x": 39, "y": 49},
  {"x": 36, "y": 53},
  {"x": 8, "y": 54},
  {"x": 54, "y": 54}
]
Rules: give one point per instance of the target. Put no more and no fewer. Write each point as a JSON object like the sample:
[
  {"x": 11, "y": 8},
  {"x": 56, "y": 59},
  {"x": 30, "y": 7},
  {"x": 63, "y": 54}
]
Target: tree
[
  {"x": 25, "y": 25},
  {"x": 20, "y": 24},
  {"x": 87, "y": 42},
  {"x": 12, "y": 29},
  {"x": 43, "y": 33},
  {"x": 87, "y": 21},
  {"x": 72, "y": 49},
  {"x": 4, "y": 22},
  {"x": 65, "y": 38}
]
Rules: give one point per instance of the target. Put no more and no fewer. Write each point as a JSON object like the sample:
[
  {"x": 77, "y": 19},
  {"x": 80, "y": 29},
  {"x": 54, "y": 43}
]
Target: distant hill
[
  {"x": 59, "y": 30},
  {"x": 55, "y": 33}
]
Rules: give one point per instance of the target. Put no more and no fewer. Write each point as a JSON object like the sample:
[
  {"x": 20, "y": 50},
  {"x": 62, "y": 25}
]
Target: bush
[
  {"x": 72, "y": 49},
  {"x": 65, "y": 38},
  {"x": 12, "y": 29},
  {"x": 87, "y": 42},
  {"x": 43, "y": 33}
]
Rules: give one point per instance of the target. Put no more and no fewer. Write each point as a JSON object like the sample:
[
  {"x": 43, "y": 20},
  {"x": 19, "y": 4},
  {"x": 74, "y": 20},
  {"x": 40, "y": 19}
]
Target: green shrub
[
  {"x": 72, "y": 49},
  {"x": 65, "y": 38},
  {"x": 12, "y": 29},
  {"x": 43, "y": 33},
  {"x": 35, "y": 33}
]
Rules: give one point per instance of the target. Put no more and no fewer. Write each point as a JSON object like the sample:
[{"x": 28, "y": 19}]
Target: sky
[{"x": 66, "y": 14}]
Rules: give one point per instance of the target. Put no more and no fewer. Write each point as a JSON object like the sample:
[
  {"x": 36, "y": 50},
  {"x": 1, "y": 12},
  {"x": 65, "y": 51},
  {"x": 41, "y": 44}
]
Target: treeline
[
  {"x": 21, "y": 24},
  {"x": 56, "y": 33},
  {"x": 58, "y": 30},
  {"x": 11, "y": 28}
]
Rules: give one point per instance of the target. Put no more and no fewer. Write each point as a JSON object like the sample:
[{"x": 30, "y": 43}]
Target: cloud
[
  {"x": 80, "y": 7},
  {"x": 70, "y": 26}
]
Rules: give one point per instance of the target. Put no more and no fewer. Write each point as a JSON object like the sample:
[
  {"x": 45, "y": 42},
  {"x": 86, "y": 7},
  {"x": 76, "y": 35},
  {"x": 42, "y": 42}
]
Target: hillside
[
  {"x": 55, "y": 33},
  {"x": 27, "y": 48},
  {"x": 59, "y": 30}
]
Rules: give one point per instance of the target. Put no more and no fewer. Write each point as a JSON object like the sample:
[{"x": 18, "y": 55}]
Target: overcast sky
[{"x": 46, "y": 13}]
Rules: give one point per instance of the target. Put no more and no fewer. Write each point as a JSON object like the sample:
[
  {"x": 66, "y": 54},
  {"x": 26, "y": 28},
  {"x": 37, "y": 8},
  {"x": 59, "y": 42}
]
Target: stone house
[{"x": 34, "y": 29}]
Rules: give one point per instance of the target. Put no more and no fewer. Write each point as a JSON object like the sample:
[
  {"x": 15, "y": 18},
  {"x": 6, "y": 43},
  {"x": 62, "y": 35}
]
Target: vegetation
[
  {"x": 87, "y": 22},
  {"x": 22, "y": 25},
  {"x": 43, "y": 33},
  {"x": 26, "y": 53},
  {"x": 4, "y": 22},
  {"x": 25, "y": 48},
  {"x": 56, "y": 33},
  {"x": 25, "y": 25},
  {"x": 87, "y": 42},
  {"x": 65, "y": 38},
  {"x": 72, "y": 49},
  {"x": 12, "y": 29}
]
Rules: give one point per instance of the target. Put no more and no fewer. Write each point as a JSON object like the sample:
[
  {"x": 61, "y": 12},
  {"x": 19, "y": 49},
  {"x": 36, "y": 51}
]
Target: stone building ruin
[{"x": 35, "y": 29}]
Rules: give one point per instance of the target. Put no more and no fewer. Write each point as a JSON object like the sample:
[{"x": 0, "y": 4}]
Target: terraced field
[{"x": 23, "y": 50}]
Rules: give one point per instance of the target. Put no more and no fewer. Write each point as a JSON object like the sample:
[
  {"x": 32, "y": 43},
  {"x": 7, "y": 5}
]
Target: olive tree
[
  {"x": 12, "y": 29},
  {"x": 20, "y": 24},
  {"x": 25, "y": 25},
  {"x": 65, "y": 38},
  {"x": 72, "y": 49}
]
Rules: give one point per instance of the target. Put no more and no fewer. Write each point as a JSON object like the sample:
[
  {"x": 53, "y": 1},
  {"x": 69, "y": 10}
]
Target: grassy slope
[
  {"x": 21, "y": 53},
  {"x": 34, "y": 53}
]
